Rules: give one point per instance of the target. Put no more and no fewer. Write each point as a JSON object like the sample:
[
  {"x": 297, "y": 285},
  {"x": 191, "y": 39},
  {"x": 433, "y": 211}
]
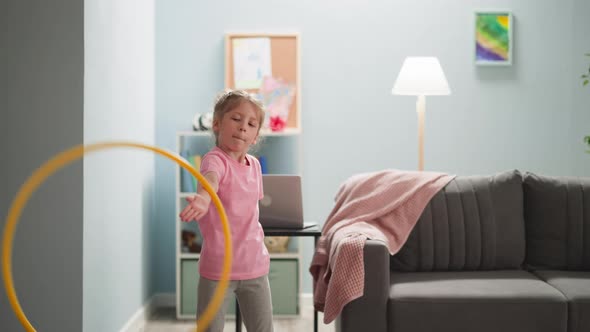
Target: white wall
[{"x": 118, "y": 185}]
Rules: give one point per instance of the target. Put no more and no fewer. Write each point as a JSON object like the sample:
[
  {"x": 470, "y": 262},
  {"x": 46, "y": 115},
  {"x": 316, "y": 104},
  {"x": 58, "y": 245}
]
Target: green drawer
[
  {"x": 284, "y": 286},
  {"x": 283, "y": 278},
  {"x": 189, "y": 281}
]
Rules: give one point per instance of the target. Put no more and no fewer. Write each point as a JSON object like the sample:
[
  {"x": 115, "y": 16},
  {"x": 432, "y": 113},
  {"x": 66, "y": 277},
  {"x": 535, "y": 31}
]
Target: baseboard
[
  {"x": 166, "y": 300},
  {"x": 139, "y": 318}
]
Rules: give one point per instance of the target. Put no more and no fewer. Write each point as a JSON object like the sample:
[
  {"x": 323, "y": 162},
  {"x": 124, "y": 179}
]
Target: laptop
[{"x": 282, "y": 204}]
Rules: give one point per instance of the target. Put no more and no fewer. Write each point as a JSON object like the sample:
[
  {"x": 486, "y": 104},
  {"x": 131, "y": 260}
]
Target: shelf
[
  {"x": 194, "y": 133},
  {"x": 286, "y": 132},
  {"x": 263, "y": 132},
  {"x": 189, "y": 255},
  {"x": 285, "y": 255},
  {"x": 185, "y": 195}
]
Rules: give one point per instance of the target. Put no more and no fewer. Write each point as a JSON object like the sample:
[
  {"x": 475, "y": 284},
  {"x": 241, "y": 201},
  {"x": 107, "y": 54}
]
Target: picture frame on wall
[{"x": 494, "y": 34}]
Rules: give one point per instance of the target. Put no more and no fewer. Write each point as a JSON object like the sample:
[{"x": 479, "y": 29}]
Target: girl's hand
[{"x": 196, "y": 208}]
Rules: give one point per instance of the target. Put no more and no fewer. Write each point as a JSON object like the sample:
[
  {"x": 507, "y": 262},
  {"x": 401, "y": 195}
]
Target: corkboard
[{"x": 284, "y": 64}]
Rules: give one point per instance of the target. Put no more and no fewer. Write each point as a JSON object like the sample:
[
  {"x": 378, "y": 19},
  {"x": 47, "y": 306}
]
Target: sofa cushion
[
  {"x": 473, "y": 223},
  {"x": 575, "y": 285},
  {"x": 504, "y": 300},
  {"x": 557, "y": 220}
]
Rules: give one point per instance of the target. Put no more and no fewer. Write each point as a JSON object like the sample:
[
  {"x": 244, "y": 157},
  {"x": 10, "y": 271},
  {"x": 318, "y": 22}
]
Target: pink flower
[{"x": 277, "y": 123}]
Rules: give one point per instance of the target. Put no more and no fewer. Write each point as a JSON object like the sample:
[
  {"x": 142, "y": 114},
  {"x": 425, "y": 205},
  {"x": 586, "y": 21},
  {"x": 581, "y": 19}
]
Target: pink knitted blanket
[{"x": 381, "y": 205}]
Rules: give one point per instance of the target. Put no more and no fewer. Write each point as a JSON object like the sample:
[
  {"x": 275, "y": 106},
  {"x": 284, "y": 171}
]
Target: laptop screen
[{"x": 282, "y": 204}]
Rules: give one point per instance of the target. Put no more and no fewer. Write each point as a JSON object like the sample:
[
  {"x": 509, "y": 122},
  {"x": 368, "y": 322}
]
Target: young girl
[{"x": 237, "y": 179}]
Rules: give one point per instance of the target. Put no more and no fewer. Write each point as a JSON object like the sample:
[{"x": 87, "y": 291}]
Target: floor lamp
[{"x": 421, "y": 76}]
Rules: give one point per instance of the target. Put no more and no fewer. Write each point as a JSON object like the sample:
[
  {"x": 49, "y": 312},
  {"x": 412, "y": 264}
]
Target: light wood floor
[{"x": 164, "y": 319}]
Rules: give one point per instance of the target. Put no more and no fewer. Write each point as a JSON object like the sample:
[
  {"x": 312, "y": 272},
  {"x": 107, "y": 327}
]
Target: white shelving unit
[
  {"x": 263, "y": 133},
  {"x": 277, "y": 147}
]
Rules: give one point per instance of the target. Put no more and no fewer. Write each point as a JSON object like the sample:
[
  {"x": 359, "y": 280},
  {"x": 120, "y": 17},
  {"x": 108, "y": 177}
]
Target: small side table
[{"x": 312, "y": 231}]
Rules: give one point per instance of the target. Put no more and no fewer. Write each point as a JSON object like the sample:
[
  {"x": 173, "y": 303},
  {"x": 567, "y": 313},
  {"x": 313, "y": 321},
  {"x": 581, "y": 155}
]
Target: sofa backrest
[
  {"x": 557, "y": 216},
  {"x": 473, "y": 223}
]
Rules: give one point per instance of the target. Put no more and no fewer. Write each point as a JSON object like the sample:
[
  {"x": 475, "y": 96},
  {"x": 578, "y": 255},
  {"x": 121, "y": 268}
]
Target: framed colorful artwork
[{"x": 493, "y": 38}]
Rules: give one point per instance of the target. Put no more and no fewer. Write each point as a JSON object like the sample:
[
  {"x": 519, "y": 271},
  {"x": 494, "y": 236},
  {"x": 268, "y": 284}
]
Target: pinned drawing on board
[
  {"x": 251, "y": 62},
  {"x": 276, "y": 96}
]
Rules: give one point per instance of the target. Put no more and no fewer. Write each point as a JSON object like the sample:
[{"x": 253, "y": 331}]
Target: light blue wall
[
  {"x": 119, "y": 104},
  {"x": 529, "y": 116}
]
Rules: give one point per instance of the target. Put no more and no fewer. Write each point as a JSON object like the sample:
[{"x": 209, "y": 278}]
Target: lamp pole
[{"x": 421, "y": 110}]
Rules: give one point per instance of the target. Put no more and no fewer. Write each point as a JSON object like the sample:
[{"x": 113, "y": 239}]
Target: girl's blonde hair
[{"x": 230, "y": 99}]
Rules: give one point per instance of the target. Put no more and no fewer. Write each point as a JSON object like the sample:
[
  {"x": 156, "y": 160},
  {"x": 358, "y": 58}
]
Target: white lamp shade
[{"x": 421, "y": 76}]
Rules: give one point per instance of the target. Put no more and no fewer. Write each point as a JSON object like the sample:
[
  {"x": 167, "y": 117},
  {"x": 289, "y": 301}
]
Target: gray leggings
[{"x": 253, "y": 296}]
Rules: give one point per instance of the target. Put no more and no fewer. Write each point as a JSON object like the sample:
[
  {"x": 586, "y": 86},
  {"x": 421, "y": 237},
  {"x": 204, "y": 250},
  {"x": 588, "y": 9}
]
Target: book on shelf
[
  {"x": 263, "y": 166},
  {"x": 186, "y": 184},
  {"x": 188, "y": 181},
  {"x": 195, "y": 161}
]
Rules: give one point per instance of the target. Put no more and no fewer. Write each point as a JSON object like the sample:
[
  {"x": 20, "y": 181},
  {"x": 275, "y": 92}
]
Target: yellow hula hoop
[{"x": 66, "y": 157}]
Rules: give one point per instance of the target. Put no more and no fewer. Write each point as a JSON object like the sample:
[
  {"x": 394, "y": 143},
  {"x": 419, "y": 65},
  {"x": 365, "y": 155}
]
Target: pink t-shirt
[{"x": 240, "y": 189}]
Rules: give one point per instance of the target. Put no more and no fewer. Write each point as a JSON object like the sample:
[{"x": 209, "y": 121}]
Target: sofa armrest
[{"x": 369, "y": 312}]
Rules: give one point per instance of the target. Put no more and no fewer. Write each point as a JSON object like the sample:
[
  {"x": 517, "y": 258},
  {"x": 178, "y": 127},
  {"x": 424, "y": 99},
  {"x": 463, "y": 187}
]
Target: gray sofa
[{"x": 508, "y": 252}]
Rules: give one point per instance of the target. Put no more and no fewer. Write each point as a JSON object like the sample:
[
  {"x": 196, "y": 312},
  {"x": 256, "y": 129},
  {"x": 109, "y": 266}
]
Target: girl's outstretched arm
[{"x": 198, "y": 205}]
